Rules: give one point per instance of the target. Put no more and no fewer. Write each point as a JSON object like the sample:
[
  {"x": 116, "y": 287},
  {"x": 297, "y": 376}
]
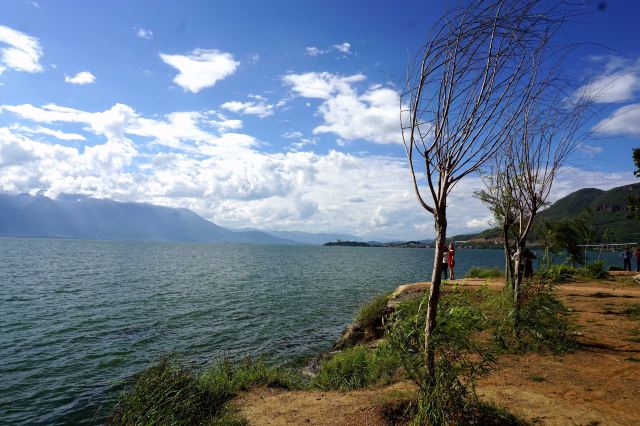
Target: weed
[
  {"x": 633, "y": 311},
  {"x": 557, "y": 273},
  {"x": 371, "y": 313},
  {"x": 358, "y": 367},
  {"x": 536, "y": 378},
  {"x": 632, "y": 359},
  {"x": 169, "y": 393},
  {"x": 476, "y": 272},
  {"x": 594, "y": 270}
]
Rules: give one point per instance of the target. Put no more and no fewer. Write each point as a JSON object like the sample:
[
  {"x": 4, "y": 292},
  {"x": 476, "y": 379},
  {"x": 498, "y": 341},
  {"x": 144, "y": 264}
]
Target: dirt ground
[{"x": 598, "y": 384}]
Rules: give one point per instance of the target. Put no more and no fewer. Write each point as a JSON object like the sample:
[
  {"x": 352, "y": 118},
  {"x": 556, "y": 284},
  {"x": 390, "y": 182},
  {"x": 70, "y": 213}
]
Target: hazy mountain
[
  {"x": 310, "y": 238},
  {"x": 76, "y": 216}
]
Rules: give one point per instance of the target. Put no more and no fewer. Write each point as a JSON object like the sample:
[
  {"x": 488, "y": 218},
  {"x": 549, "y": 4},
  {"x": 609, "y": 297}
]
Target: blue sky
[{"x": 274, "y": 115}]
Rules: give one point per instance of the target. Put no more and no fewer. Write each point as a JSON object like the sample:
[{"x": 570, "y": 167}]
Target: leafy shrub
[
  {"x": 476, "y": 272},
  {"x": 449, "y": 397},
  {"x": 358, "y": 367},
  {"x": 558, "y": 273},
  {"x": 544, "y": 323},
  {"x": 168, "y": 393},
  {"x": 594, "y": 270}
]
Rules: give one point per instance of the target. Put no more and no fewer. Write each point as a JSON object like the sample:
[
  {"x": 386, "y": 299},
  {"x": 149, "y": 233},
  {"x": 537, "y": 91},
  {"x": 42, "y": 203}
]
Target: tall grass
[
  {"x": 359, "y": 367},
  {"x": 477, "y": 272},
  {"x": 170, "y": 393}
]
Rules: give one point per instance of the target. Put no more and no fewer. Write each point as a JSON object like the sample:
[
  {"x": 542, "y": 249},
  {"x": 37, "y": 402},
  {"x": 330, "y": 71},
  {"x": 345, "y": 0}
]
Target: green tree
[{"x": 633, "y": 201}]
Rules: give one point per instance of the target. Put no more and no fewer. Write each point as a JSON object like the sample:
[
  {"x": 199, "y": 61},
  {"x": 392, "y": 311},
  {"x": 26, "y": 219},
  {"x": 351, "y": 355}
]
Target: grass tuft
[{"x": 476, "y": 272}]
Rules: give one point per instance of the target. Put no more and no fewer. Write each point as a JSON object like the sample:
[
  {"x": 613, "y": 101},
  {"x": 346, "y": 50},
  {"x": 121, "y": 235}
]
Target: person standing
[
  {"x": 637, "y": 253},
  {"x": 451, "y": 260},
  {"x": 626, "y": 257},
  {"x": 445, "y": 264}
]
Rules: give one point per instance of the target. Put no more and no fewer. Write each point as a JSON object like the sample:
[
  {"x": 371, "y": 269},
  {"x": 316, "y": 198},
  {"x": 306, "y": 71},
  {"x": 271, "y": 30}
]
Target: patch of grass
[
  {"x": 544, "y": 324},
  {"x": 633, "y": 339},
  {"x": 633, "y": 311},
  {"x": 594, "y": 270},
  {"x": 536, "y": 378},
  {"x": 371, "y": 313},
  {"x": 169, "y": 393},
  {"x": 477, "y": 272},
  {"x": 358, "y": 367},
  {"x": 557, "y": 273},
  {"x": 632, "y": 359}
]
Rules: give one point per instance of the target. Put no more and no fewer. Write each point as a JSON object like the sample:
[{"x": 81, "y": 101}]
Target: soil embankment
[{"x": 598, "y": 383}]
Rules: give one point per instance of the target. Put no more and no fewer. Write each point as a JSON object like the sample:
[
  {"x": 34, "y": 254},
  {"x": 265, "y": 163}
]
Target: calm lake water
[{"x": 76, "y": 317}]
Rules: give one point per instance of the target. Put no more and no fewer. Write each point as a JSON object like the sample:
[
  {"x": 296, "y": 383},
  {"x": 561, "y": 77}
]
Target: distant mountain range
[
  {"x": 81, "y": 217},
  {"x": 609, "y": 217}
]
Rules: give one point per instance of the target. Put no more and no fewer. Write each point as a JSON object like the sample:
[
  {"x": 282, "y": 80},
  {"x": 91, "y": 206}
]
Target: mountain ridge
[{"x": 81, "y": 217}]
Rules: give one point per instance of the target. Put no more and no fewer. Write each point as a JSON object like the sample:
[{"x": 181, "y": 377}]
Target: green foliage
[
  {"x": 371, "y": 313},
  {"x": 476, "y": 272},
  {"x": 544, "y": 322},
  {"x": 594, "y": 270},
  {"x": 462, "y": 357},
  {"x": 563, "y": 237},
  {"x": 633, "y": 311},
  {"x": 536, "y": 378},
  {"x": 557, "y": 273},
  {"x": 358, "y": 367},
  {"x": 169, "y": 393}
]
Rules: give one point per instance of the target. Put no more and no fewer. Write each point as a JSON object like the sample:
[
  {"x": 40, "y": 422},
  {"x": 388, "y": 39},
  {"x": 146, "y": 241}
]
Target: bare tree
[
  {"x": 539, "y": 147},
  {"x": 498, "y": 198},
  {"x": 465, "y": 90}
]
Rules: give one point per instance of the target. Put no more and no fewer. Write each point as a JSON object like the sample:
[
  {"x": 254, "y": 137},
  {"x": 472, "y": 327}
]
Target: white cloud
[
  {"x": 589, "y": 149},
  {"x": 83, "y": 77},
  {"x": 321, "y": 85},
  {"x": 58, "y": 134},
  {"x": 184, "y": 159},
  {"x": 623, "y": 121},
  {"x": 22, "y": 54},
  {"x": 372, "y": 115},
  {"x": 260, "y": 108},
  {"x": 144, "y": 33},
  {"x": 619, "y": 81},
  {"x": 201, "y": 68},
  {"x": 344, "y": 48}
]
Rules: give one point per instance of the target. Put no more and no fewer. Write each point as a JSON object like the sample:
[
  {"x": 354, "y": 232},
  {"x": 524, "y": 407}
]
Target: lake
[{"x": 79, "y": 316}]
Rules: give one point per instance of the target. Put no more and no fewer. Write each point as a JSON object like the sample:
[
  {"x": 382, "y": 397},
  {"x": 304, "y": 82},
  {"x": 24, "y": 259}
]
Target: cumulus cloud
[
  {"x": 83, "y": 77},
  {"x": 624, "y": 121},
  {"x": 618, "y": 82},
  {"x": 589, "y": 149},
  {"x": 144, "y": 33},
  {"x": 259, "y": 107},
  {"x": 23, "y": 52},
  {"x": 371, "y": 115},
  {"x": 201, "y": 68},
  {"x": 183, "y": 160}
]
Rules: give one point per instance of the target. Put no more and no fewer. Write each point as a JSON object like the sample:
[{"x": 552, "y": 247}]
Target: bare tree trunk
[
  {"x": 434, "y": 295},
  {"x": 517, "y": 288},
  {"x": 508, "y": 266}
]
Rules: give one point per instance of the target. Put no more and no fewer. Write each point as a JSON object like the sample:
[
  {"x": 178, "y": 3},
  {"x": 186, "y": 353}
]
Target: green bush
[
  {"x": 594, "y": 270},
  {"x": 557, "y": 273},
  {"x": 476, "y": 272},
  {"x": 358, "y": 367},
  {"x": 544, "y": 323},
  {"x": 168, "y": 393},
  {"x": 463, "y": 357},
  {"x": 371, "y": 313}
]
